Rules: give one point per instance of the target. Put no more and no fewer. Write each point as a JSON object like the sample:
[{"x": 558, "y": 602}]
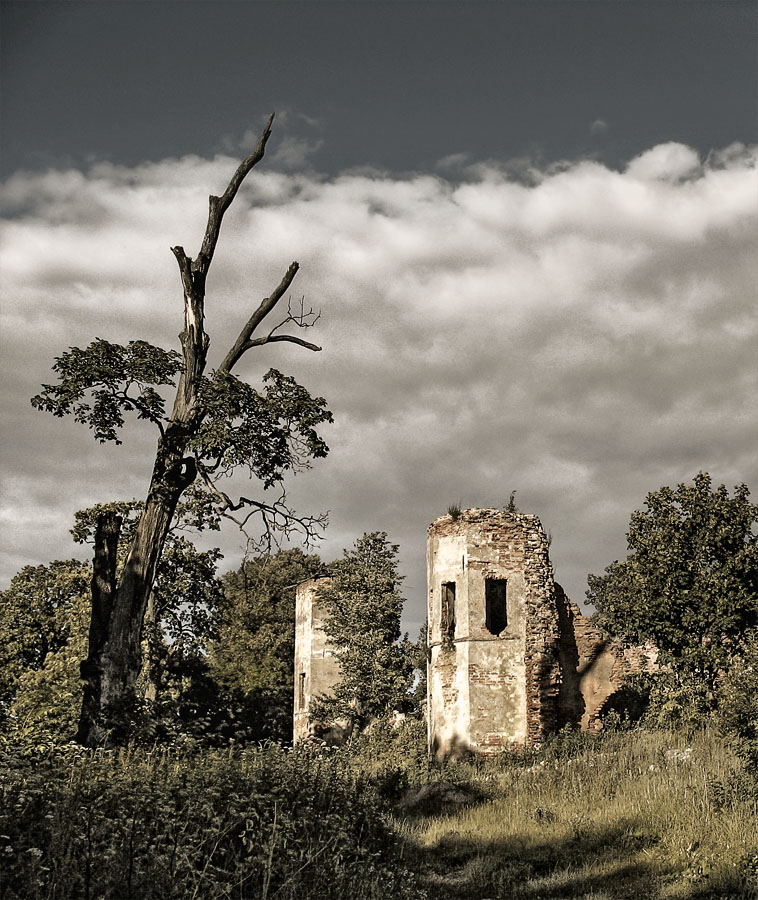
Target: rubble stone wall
[{"x": 593, "y": 666}]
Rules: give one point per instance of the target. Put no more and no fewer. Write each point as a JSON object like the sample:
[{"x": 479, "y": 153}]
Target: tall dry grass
[{"x": 631, "y": 815}]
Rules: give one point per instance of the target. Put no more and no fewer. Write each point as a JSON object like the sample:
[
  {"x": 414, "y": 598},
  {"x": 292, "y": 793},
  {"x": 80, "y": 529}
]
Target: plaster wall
[{"x": 316, "y": 666}]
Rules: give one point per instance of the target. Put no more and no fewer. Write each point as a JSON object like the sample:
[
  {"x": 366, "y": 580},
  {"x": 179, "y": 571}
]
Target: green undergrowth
[{"x": 136, "y": 824}]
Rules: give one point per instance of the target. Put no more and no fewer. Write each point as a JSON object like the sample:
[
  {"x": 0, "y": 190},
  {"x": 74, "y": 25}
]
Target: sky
[{"x": 529, "y": 228}]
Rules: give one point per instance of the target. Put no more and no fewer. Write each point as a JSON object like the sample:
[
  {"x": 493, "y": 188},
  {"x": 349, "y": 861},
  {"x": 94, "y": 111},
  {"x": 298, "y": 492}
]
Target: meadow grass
[
  {"x": 627, "y": 815},
  {"x": 635, "y": 814}
]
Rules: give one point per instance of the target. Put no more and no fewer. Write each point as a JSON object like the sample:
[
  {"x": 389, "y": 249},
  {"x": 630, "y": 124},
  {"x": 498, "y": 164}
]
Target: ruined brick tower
[{"x": 493, "y": 673}]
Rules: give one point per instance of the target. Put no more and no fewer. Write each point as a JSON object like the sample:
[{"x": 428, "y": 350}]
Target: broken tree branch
[
  {"x": 270, "y": 338},
  {"x": 266, "y": 305},
  {"x": 276, "y": 518},
  {"x": 219, "y": 205}
]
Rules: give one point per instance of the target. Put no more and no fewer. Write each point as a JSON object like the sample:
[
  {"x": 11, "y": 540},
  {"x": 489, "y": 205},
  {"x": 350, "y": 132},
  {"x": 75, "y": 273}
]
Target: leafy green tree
[
  {"x": 252, "y": 658},
  {"x": 690, "y": 581},
  {"x": 43, "y": 637},
  {"x": 216, "y": 425},
  {"x": 363, "y": 607},
  {"x": 737, "y": 712}
]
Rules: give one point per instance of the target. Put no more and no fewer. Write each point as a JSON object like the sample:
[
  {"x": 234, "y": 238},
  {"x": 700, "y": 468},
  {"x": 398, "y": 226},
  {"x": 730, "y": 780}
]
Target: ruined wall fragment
[
  {"x": 594, "y": 666},
  {"x": 316, "y": 665}
]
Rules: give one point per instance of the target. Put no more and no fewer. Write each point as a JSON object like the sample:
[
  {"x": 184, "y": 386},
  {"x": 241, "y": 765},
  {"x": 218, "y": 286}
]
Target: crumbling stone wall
[{"x": 593, "y": 666}]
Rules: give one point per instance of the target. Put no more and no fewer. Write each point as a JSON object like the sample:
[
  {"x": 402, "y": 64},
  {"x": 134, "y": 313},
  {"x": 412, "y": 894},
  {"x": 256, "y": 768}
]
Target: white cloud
[
  {"x": 666, "y": 162},
  {"x": 581, "y": 338},
  {"x": 293, "y": 152}
]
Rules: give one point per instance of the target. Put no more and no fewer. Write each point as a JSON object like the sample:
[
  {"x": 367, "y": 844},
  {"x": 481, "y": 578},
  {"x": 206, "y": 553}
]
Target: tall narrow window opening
[
  {"x": 448, "y": 611},
  {"x": 301, "y": 691},
  {"x": 496, "y": 605}
]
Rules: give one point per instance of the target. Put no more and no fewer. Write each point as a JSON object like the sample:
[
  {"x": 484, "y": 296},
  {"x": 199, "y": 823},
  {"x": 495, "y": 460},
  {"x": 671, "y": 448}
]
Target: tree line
[{"x": 218, "y": 650}]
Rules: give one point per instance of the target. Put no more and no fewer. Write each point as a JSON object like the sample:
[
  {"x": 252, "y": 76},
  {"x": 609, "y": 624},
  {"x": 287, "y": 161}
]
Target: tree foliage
[
  {"x": 737, "y": 712},
  {"x": 690, "y": 581},
  {"x": 43, "y": 635},
  {"x": 252, "y": 658},
  {"x": 98, "y": 384},
  {"x": 268, "y": 432},
  {"x": 363, "y": 606}
]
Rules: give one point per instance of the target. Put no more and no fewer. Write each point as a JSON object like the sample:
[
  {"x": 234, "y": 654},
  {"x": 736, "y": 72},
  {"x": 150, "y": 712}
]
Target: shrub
[
  {"x": 393, "y": 754},
  {"x": 737, "y": 712},
  {"x": 672, "y": 700}
]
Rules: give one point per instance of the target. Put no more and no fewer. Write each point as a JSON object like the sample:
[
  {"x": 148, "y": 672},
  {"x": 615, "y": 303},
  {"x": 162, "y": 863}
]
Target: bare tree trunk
[
  {"x": 115, "y": 656},
  {"x": 103, "y": 597}
]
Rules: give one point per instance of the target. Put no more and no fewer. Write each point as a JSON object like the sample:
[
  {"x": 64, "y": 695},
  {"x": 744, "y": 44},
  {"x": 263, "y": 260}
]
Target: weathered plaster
[
  {"x": 316, "y": 666},
  {"x": 487, "y": 692}
]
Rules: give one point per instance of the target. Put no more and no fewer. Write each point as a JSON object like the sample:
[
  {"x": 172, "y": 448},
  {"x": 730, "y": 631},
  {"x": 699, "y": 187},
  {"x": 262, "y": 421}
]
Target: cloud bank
[{"x": 577, "y": 334}]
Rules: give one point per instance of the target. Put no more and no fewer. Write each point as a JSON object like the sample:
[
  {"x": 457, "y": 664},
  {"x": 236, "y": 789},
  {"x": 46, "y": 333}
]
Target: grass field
[
  {"x": 630, "y": 815},
  {"x": 633, "y": 815}
]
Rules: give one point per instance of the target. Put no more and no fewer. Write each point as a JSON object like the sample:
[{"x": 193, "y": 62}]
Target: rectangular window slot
[
  {"x": 496, "y": 605},
  {"x": 448, "y": 611},
  {"x": 301, "y": 691}
]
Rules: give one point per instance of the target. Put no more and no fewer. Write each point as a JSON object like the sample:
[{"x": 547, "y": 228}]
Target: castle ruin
[{"x": 511, "y": 659}]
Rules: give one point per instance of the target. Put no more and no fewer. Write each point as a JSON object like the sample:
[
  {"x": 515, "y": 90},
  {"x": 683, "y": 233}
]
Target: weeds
[
  {"x": 510, "y": 506},
  {"x": 454, "y": 511},
  {"x": 134, "y": 823}
]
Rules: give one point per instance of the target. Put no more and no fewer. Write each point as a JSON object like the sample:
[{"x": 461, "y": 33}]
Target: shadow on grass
[
  {"x": 605, "y": 864},
  {"x": 439, "y": 799}
]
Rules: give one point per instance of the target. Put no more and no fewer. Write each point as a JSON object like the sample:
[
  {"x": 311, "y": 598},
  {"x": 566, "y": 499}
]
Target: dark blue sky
[{"x": 395, "y": 85}]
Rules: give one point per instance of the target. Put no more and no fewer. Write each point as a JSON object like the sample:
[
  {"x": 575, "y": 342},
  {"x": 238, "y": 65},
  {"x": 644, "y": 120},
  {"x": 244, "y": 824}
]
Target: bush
[
  {"x": 673, "y": 700},
  {"x": 737, "y": 712},
  {"x": 392, "y": 754}
]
